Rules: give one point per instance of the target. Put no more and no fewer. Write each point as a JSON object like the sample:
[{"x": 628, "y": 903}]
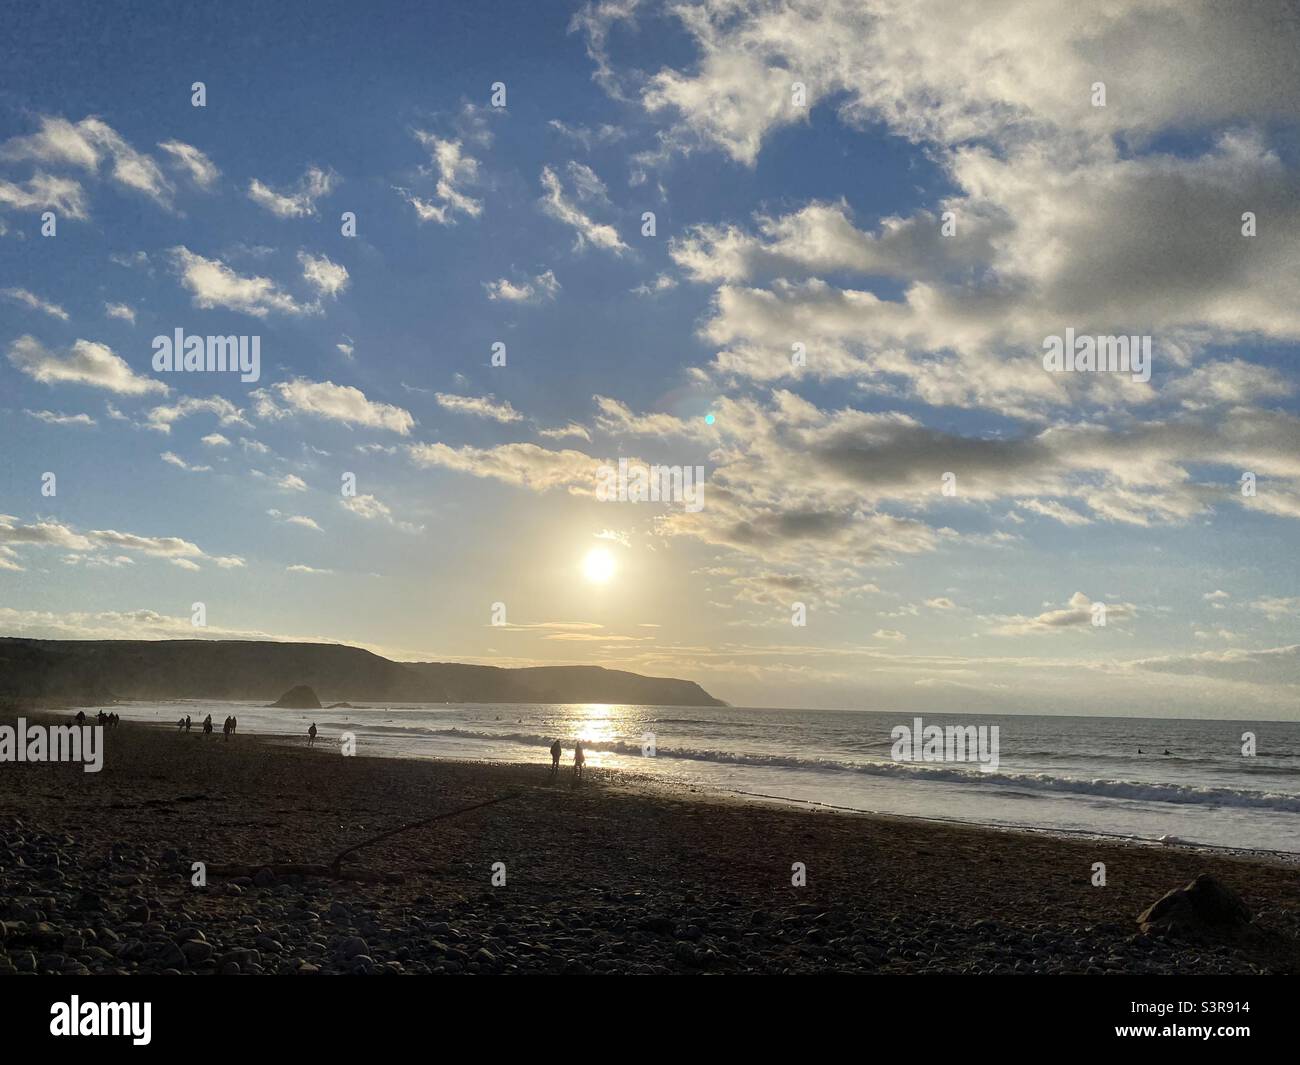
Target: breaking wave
[{"x": 1036, "y": 783}]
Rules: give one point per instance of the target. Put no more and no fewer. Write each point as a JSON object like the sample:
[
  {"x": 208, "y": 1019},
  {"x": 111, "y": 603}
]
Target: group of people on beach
[
  {"x": 227, "y": 728},
  {"x": 107, "y": 720},
  {"x": 579, "y": 759}
]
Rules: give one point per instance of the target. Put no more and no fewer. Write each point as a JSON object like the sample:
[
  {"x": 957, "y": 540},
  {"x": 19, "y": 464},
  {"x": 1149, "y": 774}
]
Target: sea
[{"x": 1165, "y": 781}]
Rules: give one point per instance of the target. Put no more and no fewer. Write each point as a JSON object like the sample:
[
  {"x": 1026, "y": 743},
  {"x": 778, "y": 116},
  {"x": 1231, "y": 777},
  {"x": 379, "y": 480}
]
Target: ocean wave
[
  {"x": 1031, "y": 783},
  {"x": 397, "y": 730}
]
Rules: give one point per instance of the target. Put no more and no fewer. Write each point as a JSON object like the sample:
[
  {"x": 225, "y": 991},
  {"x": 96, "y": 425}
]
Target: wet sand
[{"x": 617, "y": 876}]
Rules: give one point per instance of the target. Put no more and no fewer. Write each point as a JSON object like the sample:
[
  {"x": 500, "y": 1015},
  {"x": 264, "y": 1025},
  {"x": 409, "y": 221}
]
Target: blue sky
[{"x": 778, "y": 221}]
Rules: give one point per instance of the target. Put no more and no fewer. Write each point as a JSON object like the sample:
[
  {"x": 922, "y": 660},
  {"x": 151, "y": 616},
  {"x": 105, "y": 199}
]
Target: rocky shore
[{"x": 97, "y": 875}]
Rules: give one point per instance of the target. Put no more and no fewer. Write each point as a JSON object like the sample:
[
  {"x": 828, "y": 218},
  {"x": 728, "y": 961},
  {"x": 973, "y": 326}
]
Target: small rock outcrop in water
[
  {"x": 299, "y": 698},
  {"x": 1204, "y": 905}
]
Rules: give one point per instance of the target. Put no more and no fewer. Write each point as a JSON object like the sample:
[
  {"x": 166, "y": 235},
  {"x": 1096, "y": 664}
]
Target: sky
[{"x": 814, "y": 250}]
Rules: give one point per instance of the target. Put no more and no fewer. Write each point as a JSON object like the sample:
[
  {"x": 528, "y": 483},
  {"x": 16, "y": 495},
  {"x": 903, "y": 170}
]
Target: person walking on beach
[
  {"x": 311, "y": 734},
  {"x": 225, "y": 729},
  {"x": 556, "y": 751},
  {"x": 578, "y": 760},
  {"x": 207, "y": 725},
  {"x": 188, "y": 722},
  {"x": 234, "y": 724}
]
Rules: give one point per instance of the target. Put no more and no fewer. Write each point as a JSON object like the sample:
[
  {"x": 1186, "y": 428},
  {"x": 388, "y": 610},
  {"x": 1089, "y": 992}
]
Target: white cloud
[
  {"x": 1078, "y": 613},
  {"x": 120, "y": 310},
  {"x": 367, "y": 506},
  {"x": 42, "y": 191},
  {"x": 595, "y": 20},
  {"x": 51, "y": 418},
  {"x": 21, "y": 295},
  {"x": 1000, "y": 71},
  {"x": 201, "y": 170},
  {"x": 300, "y": 520},
  {"x": 543, "y": 287},
  {"x": 87, "y": 363},
  {"x": 558, "y": 206},
  {"x": 1276, "y": 607},
  {"x": 479, "y": 407},
  {"x": 214, "y": 284},
  {"x": 300, "y": 201},
  {"x": 175, "y": 460},
  {"x": 163, "y": 417},
  {"x": 453, "y": 169},
  {"x": 372, "y": 509},
  {"x": 662, "y": 283},
  {"x": 588, "y": 135},
  {"x": 1049, "y": 509},
  {"x": 341, "y": 403},
  {"x": 327, "y": 278},
  {"x": 56, "y": 534},
  {"x": 525, "y": 465},
  {"x": 561, "y": 432},
  {"x": 87, "y": 144}
]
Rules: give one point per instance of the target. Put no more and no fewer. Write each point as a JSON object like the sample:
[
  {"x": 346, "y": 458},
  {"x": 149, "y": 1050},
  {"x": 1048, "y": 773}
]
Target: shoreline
[
  {"x": 620, "y": 875},
  {"x": 703, "y": 789}
]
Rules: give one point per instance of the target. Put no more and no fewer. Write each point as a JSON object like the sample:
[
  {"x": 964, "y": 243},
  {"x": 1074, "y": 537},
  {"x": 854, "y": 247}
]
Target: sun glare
[{"x": 598, "y": 566}]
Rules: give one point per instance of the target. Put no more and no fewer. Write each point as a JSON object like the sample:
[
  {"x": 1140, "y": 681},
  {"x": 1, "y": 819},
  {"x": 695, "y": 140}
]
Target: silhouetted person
[
  {"x": 225, "y": 728},
  {"x": 556, "y": 751},
  {"x": 180, "y": 725},
  {"x": 234, "y": 724},
  {"x": 311, "y": 734},
  {"x": 578, "y": 759},
  {"x": 188, "y": 722},
  {"x": 81, "y": 717},
  {"x": 207, "y": 725},
  {"x": 1166, "y": 750}
]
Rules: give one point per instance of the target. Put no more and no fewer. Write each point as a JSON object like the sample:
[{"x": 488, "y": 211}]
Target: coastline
[{"x": 619, "y": 875}]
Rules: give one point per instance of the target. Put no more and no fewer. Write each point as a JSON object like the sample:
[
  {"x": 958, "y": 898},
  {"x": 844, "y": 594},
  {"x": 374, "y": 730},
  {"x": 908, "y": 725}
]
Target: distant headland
[{"x": 101, "y": 671}]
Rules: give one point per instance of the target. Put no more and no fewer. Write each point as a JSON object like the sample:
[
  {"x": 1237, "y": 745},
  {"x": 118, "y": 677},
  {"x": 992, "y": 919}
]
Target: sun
[{"x": 598, "y": 567}]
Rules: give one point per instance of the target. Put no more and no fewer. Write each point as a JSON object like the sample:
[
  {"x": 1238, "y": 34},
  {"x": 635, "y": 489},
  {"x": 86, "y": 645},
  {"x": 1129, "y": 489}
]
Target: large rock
[
  {"x": 299, "y": 698},
  {"x": 1204, "y": 905}
]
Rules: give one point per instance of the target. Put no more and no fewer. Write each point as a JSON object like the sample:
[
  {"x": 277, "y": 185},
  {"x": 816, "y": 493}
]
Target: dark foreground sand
[{"x": 611, "y": 877}]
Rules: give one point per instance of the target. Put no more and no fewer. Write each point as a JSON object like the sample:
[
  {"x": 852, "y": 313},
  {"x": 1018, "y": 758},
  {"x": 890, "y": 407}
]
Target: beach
[{"x": 621, "y": 874}]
